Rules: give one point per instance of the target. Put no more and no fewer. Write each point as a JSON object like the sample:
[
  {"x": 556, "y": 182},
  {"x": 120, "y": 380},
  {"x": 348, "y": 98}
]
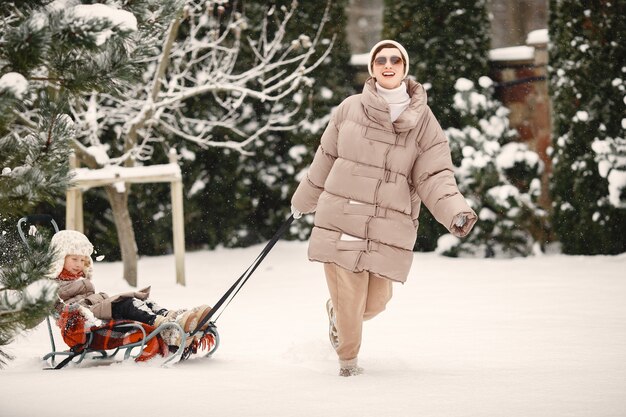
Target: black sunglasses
[{"x": 382, "y": 60}]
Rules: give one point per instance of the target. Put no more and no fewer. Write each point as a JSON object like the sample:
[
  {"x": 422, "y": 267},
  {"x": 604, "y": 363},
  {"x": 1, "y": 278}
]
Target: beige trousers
[{"x": 356, "y": 297}]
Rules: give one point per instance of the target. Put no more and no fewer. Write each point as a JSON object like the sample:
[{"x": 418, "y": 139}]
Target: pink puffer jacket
[{"x": 368, "y": 179}]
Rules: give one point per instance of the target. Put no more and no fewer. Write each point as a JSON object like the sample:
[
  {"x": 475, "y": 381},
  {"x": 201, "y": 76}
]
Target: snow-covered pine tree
[
  {"x": 48, "y": 56},
  {"x": 610, "y": 154},
  {"x": 587, "y": 71},
  {"x": 499, "y": 176},
  {"x": 446, "y": 40},
  {"x": 26, "y": 298}
]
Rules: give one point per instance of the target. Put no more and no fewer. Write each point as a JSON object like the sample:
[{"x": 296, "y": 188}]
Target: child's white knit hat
[
  {"x": 405, "y": 56},
  {"x": 69, "y": 242}
]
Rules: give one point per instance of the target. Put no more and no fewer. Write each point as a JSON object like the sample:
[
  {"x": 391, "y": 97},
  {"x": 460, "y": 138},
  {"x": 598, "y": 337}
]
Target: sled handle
[{"x": 35, "y": 218}]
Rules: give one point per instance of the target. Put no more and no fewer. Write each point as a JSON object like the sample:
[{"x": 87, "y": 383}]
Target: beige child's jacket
[
  {"x": 368, "y": 179},
  {"x": 82, "y": 291}
]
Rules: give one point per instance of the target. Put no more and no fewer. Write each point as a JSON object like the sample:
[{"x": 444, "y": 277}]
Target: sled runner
[{"x": 91, "y": 338}]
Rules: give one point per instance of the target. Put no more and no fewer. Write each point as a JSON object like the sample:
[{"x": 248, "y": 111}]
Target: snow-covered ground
[{"x": 541, "y": 336}]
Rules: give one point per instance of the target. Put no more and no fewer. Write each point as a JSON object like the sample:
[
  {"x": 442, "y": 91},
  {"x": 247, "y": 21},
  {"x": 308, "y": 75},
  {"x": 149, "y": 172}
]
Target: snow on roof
[
  {"x": 512, "y": 53},
  {"x": 537, "y": 37},
  {"x": 359, "y": 59}
]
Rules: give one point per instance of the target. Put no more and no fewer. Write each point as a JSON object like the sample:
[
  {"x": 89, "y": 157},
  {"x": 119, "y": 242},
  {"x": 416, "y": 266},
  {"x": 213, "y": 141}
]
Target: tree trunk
[{"x": 125, "y": 232}]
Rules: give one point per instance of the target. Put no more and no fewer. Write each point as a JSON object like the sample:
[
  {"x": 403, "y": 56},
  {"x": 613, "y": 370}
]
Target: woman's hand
[
  {"x": 462, "y": 223},
  {"x": 296, "y": 214}
]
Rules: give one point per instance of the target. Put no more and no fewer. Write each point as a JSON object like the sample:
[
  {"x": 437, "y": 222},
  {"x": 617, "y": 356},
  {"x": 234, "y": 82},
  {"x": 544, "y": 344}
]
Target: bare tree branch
[{"x": 203, "y": 65}]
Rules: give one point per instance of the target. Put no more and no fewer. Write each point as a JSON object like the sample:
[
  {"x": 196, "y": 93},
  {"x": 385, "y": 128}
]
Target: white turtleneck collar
[{"x": 397, "y": 98}]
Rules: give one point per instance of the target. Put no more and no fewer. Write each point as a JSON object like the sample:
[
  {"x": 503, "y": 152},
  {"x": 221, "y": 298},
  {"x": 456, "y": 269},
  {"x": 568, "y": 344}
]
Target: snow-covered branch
[
  {"x": 206, "y": 80},
  {"x": 610, "y": 154}
]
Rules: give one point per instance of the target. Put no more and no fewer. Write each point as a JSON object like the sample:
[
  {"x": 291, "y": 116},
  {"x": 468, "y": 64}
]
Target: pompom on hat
[
  {"x": 405, "y": 56},
  {"x": 69, "y": 242}
]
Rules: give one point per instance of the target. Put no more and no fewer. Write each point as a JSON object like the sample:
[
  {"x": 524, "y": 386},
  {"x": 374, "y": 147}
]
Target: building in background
[
  {"x": 513, "y": 20},
  {"x": 519, "y": 65},
  {"x": 520, "y": 73}
]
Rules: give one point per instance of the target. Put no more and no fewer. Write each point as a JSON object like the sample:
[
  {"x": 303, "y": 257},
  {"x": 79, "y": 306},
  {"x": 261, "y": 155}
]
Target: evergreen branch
[
  {"x": 59, "y": 81},
  {"x": 20, "y": 115},
  {"x": 49, "y": 136},
  {"x": 7, "y": 312},
  {"x": 4, "y": 357}
]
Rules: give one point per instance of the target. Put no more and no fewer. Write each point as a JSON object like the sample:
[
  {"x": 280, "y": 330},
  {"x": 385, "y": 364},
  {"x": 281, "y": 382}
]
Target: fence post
[{"x": 178, "y": 224}]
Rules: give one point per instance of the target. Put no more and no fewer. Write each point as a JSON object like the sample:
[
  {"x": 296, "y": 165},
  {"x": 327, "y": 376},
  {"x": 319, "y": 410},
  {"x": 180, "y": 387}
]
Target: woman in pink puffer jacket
[{"x": 382, "y": 154}]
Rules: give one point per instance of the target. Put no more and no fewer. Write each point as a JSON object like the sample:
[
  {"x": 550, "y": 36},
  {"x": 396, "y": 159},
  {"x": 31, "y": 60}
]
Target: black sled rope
[{"x": 236, "y": 287}]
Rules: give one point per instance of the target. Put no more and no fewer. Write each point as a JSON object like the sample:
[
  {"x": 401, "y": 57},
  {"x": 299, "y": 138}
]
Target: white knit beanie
[
  {"x": 397, "y": 45},
  {"x": 69, "y": 242}
]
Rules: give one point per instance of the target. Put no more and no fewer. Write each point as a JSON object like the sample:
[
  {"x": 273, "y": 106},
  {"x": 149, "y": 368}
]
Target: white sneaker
[
  {"x": 187, "y": 320},
  {"x": 159, "y": 320},
  {"x": 172, "y": 314},
  {"x": 200, "y": 313},
  {"x": 350, "y": 371},
  {"x": 171, "y": 337},
  {"x": 333, "y": 335}
]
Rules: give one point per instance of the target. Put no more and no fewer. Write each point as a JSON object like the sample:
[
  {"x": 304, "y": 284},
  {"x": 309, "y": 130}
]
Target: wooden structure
[{"x": 89, "y": 178}]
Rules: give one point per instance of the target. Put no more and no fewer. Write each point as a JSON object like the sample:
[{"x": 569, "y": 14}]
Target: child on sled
[{"x": 72, "y": 270}]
